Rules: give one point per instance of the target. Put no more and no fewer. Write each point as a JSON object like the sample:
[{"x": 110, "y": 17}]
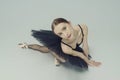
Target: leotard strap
[{"x": 82, "y": 34}]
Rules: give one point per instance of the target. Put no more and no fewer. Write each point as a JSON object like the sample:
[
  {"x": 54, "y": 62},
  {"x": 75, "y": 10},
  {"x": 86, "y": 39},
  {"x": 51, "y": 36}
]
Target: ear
[{"x": 69, "y": 22}]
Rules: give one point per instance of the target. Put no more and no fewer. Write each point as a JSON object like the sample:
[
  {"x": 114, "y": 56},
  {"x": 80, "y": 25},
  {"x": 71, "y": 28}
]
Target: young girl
[{"x": 64, "y": 42}]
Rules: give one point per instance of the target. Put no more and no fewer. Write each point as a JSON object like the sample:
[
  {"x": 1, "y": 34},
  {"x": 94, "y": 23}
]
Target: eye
[
  {"x": 60, "y": 34},
  {"x": 64, "y": 28}
]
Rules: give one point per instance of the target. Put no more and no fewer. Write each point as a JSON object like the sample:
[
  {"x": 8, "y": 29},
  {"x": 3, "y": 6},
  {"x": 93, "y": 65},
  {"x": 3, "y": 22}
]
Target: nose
[{"x": 67, "y": 34}]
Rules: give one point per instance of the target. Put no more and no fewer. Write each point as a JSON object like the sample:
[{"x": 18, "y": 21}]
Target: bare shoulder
[
  {"x": 66, "y": 49},
  {"x": 85, "y": 28}
]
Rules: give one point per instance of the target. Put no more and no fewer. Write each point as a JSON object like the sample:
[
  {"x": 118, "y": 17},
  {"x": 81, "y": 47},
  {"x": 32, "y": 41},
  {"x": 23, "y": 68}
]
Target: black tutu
[{"x": 53, "y": 42}]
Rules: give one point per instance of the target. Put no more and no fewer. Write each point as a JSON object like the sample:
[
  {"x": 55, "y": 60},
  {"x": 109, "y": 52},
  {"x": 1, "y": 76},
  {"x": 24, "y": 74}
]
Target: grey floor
[{"x": 19, "y": 17}]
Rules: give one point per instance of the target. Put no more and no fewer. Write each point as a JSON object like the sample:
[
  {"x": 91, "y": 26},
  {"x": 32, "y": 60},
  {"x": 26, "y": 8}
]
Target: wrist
[{"x": 85, "y": 59}]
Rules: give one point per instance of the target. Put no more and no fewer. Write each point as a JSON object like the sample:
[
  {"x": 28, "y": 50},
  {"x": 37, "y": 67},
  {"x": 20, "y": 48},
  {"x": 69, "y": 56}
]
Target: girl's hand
[{"x": 94, "y": 63}]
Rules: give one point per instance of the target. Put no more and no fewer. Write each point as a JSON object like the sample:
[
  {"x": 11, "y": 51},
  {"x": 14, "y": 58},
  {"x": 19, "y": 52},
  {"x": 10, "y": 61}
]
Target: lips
[{"x": 69, "y": 36}]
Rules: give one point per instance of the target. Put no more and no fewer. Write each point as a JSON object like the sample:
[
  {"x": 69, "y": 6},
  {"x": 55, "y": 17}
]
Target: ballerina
[{"x": 63, "y": 42}]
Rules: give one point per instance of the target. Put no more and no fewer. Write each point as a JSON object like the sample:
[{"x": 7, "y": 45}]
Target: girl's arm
[
  {"x": 85, "y": 42},
  {"x": 68, "y": 50}
]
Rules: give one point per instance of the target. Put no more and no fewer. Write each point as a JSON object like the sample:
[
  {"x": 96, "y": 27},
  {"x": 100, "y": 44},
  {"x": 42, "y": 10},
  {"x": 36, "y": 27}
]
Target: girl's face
[{"x": 64, "y": 30}]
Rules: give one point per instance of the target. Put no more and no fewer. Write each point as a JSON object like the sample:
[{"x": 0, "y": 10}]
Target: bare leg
[
  {"x": 37, "y": 47},
  {"x": 61, "y": 59},
  {"x": 45, "y": 50},
  {"x": 42, "y": 49}
]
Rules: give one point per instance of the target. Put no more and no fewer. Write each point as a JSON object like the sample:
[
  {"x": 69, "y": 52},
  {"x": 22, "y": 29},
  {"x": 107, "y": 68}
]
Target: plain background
[{"x": 19, "y": 17}]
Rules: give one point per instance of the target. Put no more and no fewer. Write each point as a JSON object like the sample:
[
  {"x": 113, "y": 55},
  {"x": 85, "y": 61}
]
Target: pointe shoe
[
  {"x": 23, "y": 45},
  {"x": 57, "y": 62}
]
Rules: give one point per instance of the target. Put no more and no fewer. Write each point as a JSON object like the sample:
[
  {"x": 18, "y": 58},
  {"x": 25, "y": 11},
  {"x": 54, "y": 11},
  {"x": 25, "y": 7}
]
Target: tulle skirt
[{"x": 53, "y": 42}]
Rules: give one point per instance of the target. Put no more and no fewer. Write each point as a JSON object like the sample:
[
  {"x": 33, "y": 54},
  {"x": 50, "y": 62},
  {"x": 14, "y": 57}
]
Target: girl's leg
[
  {"x": 46, "y": 50},
  {"x": 37, "y": 47},
  {"x": 42, "y": 49},
  {"x": 58, "y": 58},
  {"x": 57, "y": 62}
]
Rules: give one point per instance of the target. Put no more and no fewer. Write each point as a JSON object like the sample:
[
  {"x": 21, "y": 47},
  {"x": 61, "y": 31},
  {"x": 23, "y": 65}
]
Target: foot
[
  {"x": 23, "y": 45},
  {"x": 57, "y": 62}
]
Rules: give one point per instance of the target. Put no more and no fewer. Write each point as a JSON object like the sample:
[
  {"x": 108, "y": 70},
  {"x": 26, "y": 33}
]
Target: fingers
[
  {"x": 94, "y": 63},
  {"x": 97, "y": 64},
  {"x": 23, "y": 45}
]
